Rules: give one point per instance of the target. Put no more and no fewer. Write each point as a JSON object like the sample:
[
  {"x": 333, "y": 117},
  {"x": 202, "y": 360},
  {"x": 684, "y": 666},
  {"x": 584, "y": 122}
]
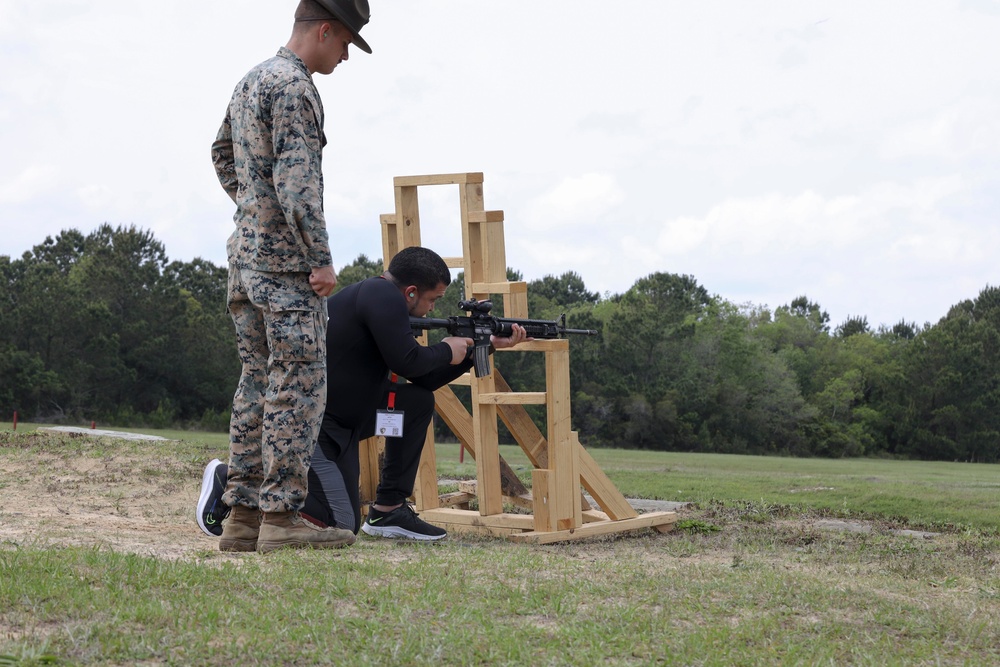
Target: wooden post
[
  {"x": 425, "y": 489},
  {"x": 564, "y": 483},
  {"x": 484, "y": 417}
]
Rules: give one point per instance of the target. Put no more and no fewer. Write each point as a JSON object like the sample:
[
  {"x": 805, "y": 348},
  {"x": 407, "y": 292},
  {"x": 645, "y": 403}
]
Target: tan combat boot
[
  {"x": 289, "y": 529},
  {"x": 240, "y": 529}
]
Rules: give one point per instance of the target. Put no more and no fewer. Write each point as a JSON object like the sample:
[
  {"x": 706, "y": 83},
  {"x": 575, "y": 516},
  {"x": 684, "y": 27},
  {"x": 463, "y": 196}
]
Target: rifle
[{"x": 479, "y": 325}]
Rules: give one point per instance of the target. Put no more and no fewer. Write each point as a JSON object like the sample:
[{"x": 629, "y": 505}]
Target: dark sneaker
[
  {"x": 211, "y": 509},
  {"x": 401, "y": 522}
]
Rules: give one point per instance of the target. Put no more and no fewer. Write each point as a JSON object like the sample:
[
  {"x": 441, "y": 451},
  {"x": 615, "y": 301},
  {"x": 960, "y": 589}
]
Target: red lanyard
[{"x": 392, "y": 393}]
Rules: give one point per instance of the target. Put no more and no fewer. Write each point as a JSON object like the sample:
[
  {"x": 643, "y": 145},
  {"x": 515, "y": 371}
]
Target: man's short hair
[{"x": 421, "y": 267}]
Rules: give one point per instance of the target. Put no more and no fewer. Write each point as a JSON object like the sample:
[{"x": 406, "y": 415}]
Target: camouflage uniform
[{"x": 268, "y": 156}]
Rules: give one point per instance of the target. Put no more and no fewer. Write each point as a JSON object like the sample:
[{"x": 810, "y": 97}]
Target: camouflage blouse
[{"x": 268, "y": 157}]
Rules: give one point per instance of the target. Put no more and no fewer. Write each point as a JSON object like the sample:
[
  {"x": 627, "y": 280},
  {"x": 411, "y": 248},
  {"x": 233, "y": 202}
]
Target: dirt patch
[
  {"x": 141, "y": 502},
  {"x": 101, "y": 503}
]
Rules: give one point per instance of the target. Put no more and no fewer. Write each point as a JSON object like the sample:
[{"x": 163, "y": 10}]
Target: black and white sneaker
[
  {"x": 401, "y": 522},
  {"x": 211, "y": 509}
]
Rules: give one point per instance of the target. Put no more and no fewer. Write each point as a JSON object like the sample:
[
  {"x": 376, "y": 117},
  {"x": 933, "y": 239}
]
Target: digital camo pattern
[
  {"x": 268, "y": 157},
  {"x": 279, "y": 402}
]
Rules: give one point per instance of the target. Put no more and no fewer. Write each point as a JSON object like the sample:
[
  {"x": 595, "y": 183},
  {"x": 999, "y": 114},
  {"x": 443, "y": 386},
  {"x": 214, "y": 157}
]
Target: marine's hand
[
  {"x": 518, "y": 334},
  {"x": 459, "y": 348},
  {"x": 323, "y": 280}
]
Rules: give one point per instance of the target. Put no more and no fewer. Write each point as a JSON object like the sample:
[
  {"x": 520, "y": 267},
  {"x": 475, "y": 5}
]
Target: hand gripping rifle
[{"x": 479, "y": 325}]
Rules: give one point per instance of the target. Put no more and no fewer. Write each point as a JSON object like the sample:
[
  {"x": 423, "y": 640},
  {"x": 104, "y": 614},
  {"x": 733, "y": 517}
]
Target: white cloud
[
  {"x": 860, "y": 253},
  {"x": 578, "y": 201},
  {"x": 34, "y": 181},
  {"x": 952, "y": 133}
]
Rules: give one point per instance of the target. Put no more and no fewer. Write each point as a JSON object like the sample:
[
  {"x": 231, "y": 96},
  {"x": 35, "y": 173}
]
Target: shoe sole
[
  {"x": 395, "y": 532},
  {"x": 207, "y": 484},
  {"x": 265, "y": 547}
]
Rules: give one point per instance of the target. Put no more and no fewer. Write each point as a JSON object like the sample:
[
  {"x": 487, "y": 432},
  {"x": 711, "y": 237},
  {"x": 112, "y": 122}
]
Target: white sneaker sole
[
  {"x": 395, "y": 532},
  {"x": 207, "y": 484}
]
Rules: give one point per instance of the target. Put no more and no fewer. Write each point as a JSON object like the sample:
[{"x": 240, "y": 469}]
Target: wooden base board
[{"x": 521, "y": 527}]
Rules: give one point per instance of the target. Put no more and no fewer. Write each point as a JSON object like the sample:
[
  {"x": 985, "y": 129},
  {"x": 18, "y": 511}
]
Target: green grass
[
  {"x": 926, "y": 495},
  {"x": 747, "y": 579},
  {"x": 641, "y": 600}
]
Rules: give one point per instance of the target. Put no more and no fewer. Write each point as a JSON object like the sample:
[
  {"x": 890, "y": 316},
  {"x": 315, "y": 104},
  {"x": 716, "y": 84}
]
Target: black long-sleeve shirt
[{"x": 368, "y": 335}]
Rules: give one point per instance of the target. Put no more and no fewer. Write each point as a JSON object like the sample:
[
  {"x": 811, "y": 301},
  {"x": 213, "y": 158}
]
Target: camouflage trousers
[{"x": 279, "y": 402}]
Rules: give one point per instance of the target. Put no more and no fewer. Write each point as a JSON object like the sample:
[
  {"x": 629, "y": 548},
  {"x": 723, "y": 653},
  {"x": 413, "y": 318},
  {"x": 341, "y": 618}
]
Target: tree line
[{"x": 104, "y": 327}]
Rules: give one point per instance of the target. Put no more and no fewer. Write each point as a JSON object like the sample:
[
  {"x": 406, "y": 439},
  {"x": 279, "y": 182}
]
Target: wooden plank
[
  {"x": 485, "y": 216},
  {"x": 487, "y": 531},
  {"x": 369, "y": 456},
  {"x": 494, "y": 252},
  {"x": 407, "y": 217},
  {"x": 504, "y": 287},
  {"x": 390, "y": 238},
  {"x": 589, "y": 516},
  {"x": 487, "y": 289},
  {"x": 564, "y": 482},
  {"x": 656, "y": 520},
  {"x": 540, "y": 493},
  {"x": 470, "y": 200},
  {"x": 425, "y": 488},
  {"x": 444, "y": 515},
  {"x": 524, "y": 501},
  {"x": 454, "y": 262},
  {"x": 484, "y": 420},
  {"x": 456, "y": 417},
  {"x": 515, "y": 304},
  {"x": 458, "y": 498},
  {"x": 438, "y": 179},
  {"x": 518, "y": 398},
  {"x": 600, "y": 486}
]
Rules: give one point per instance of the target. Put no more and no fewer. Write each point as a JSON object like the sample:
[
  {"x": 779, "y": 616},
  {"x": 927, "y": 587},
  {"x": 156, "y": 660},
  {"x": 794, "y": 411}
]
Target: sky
[{"x": 844, "y": 150}]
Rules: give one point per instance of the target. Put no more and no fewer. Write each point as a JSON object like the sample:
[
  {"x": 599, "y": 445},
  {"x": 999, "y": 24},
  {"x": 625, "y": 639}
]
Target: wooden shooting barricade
[{"x": 560, "y": 511}]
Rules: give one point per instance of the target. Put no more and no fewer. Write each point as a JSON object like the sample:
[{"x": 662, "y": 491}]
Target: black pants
[{"x": 334, "y": 475}]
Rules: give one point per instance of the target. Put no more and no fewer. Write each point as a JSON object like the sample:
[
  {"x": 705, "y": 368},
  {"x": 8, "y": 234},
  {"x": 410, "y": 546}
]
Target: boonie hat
[{"x": 354, "y": 14}]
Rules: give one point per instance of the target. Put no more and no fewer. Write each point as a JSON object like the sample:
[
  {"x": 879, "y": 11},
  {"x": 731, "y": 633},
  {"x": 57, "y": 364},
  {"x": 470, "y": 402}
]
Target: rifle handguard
[{"x": 480, "y": 325}]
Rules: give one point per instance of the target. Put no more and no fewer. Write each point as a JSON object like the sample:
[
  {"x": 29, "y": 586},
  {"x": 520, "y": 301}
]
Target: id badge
[{"x": 389, "y": 424}]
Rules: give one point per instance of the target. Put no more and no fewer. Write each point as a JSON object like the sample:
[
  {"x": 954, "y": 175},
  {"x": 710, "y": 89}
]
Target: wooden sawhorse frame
[{"x": 560, "y": 511}]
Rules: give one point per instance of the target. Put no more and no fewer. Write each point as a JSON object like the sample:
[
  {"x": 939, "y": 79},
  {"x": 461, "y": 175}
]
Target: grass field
[{"x": 752, "y": 576}]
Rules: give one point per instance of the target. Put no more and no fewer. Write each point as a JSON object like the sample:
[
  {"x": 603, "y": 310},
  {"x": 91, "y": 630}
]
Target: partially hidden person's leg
[
  {"x": 390, "y": 515},
  {"x": 402, "y": 455},
  {"x": 245, "y": 468},
  {"x": 334, "y": 476},
  {"x": 211, "y": 511}
]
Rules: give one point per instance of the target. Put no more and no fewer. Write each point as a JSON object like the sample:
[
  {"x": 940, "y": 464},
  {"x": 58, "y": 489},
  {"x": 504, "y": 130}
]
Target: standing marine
[{"x": 268, "y": 157}]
